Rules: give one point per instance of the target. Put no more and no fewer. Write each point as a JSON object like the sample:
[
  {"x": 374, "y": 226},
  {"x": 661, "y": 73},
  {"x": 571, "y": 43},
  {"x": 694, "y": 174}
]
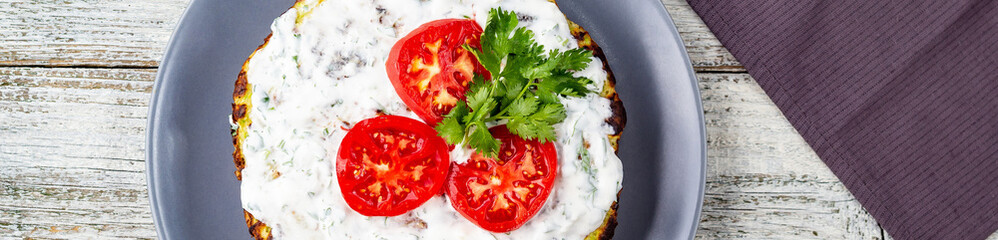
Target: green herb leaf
[
  {"x": 451, "y": 128},
  {"x": 563, "y": 83},
  {"x": 522, "y": 107},
  {"x": 574, "y": 59},
  {"x": 482, "y": 141},
  {"x": 477, "y": 95},
  {"x": 524, "y": 89}
]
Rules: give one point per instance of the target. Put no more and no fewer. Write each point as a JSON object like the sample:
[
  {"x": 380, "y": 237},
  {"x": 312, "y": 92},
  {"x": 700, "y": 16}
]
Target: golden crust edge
[
  {"x": 242, "y": 104},
  {"x": 617, "y": 121}
]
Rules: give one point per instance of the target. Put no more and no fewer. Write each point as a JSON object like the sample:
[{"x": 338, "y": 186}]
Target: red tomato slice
[
  {"x": 500, "y": 195},
  {"x": 389, "y": 165},
  {"x": 431, "y": 71}
]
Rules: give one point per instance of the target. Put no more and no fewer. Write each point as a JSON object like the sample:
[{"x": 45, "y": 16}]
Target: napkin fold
[{"x": 898, "y": 98}]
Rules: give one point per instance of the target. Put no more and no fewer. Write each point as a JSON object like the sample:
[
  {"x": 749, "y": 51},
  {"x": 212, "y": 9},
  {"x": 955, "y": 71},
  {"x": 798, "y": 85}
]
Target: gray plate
[{"x": 195, "y": 195}]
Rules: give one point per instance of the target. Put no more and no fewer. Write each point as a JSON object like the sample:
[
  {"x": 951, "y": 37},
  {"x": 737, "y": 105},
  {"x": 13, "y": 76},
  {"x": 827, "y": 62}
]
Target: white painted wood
[
  {"x": 71, "y": 153},
  {"x": 86, "y": 32},
  {"x": 763, "y": 180},
  {"x": 72, "y": 137},
  {"x": 120, "y": 33},
  {"x": 706, "y": 52}
]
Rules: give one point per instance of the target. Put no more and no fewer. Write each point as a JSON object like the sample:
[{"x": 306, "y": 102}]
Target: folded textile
[{"x": 898, "y": 98}]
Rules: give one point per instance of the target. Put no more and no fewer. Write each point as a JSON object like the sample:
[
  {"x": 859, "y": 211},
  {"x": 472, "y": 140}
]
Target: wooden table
[{"x": 76, "y": 78}]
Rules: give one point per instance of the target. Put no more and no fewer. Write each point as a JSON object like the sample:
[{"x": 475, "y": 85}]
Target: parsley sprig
[{"x": 523, "y": 91}]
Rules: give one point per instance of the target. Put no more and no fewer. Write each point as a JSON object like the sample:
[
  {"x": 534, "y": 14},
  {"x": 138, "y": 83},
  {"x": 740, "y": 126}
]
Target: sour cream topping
[{"x": 323, "y": 70}]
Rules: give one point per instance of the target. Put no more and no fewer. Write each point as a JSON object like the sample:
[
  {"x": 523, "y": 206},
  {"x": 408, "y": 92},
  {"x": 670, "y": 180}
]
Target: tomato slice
[
  {"x": 500, "y": 195},
  {"x": 389, "y": 165},
  {"x": 431, "y": 71}
]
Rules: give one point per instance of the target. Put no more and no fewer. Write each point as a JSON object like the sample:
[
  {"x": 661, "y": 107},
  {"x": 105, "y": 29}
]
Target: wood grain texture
[
  {"x": 705, "y": 51},
  {"x": 122, "y": 33},
  {"x": 76, "y": 77},
  {"x": 109, "y": 33},
  {"x": 763, "y": 180},
  {"x": 72, "y": 153}
]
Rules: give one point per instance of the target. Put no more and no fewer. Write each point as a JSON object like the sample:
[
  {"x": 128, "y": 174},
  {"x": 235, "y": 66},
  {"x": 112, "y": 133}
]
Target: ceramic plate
[{"x": 195, "y": 195}]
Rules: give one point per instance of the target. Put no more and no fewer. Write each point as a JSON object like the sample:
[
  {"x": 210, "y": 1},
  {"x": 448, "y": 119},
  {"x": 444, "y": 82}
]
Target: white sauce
[{"x": 328, "y": 72}]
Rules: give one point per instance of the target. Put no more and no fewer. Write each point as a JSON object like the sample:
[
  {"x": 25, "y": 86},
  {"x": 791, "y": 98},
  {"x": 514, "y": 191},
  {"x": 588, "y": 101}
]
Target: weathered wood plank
[
  {"x": 72, "y": 139},
  {"x": 86, "y": 33},
  {"x": 72, "y": 147},
  {"x": 705, "y": 51},
  {"x": 72, "y": 153},
  {"x": 763, "y": 180},
  {"x": 118, "y": 33}
]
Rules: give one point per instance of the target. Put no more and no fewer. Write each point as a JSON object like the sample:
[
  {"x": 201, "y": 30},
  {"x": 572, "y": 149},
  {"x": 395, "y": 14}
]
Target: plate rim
[
  {"x": 695, "y": 83},
  {"x": 152, "y": 173},
  {"x": 151, "y": 170}
]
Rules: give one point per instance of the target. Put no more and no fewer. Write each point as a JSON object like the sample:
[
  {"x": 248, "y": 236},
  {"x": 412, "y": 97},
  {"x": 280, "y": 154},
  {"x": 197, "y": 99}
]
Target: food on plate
[
  {"x": 429, "y": 68},
  {"x": 501, "y": 193},
  {"x": 427, "y": 119},
  {"x": 389, "y": 165}
]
